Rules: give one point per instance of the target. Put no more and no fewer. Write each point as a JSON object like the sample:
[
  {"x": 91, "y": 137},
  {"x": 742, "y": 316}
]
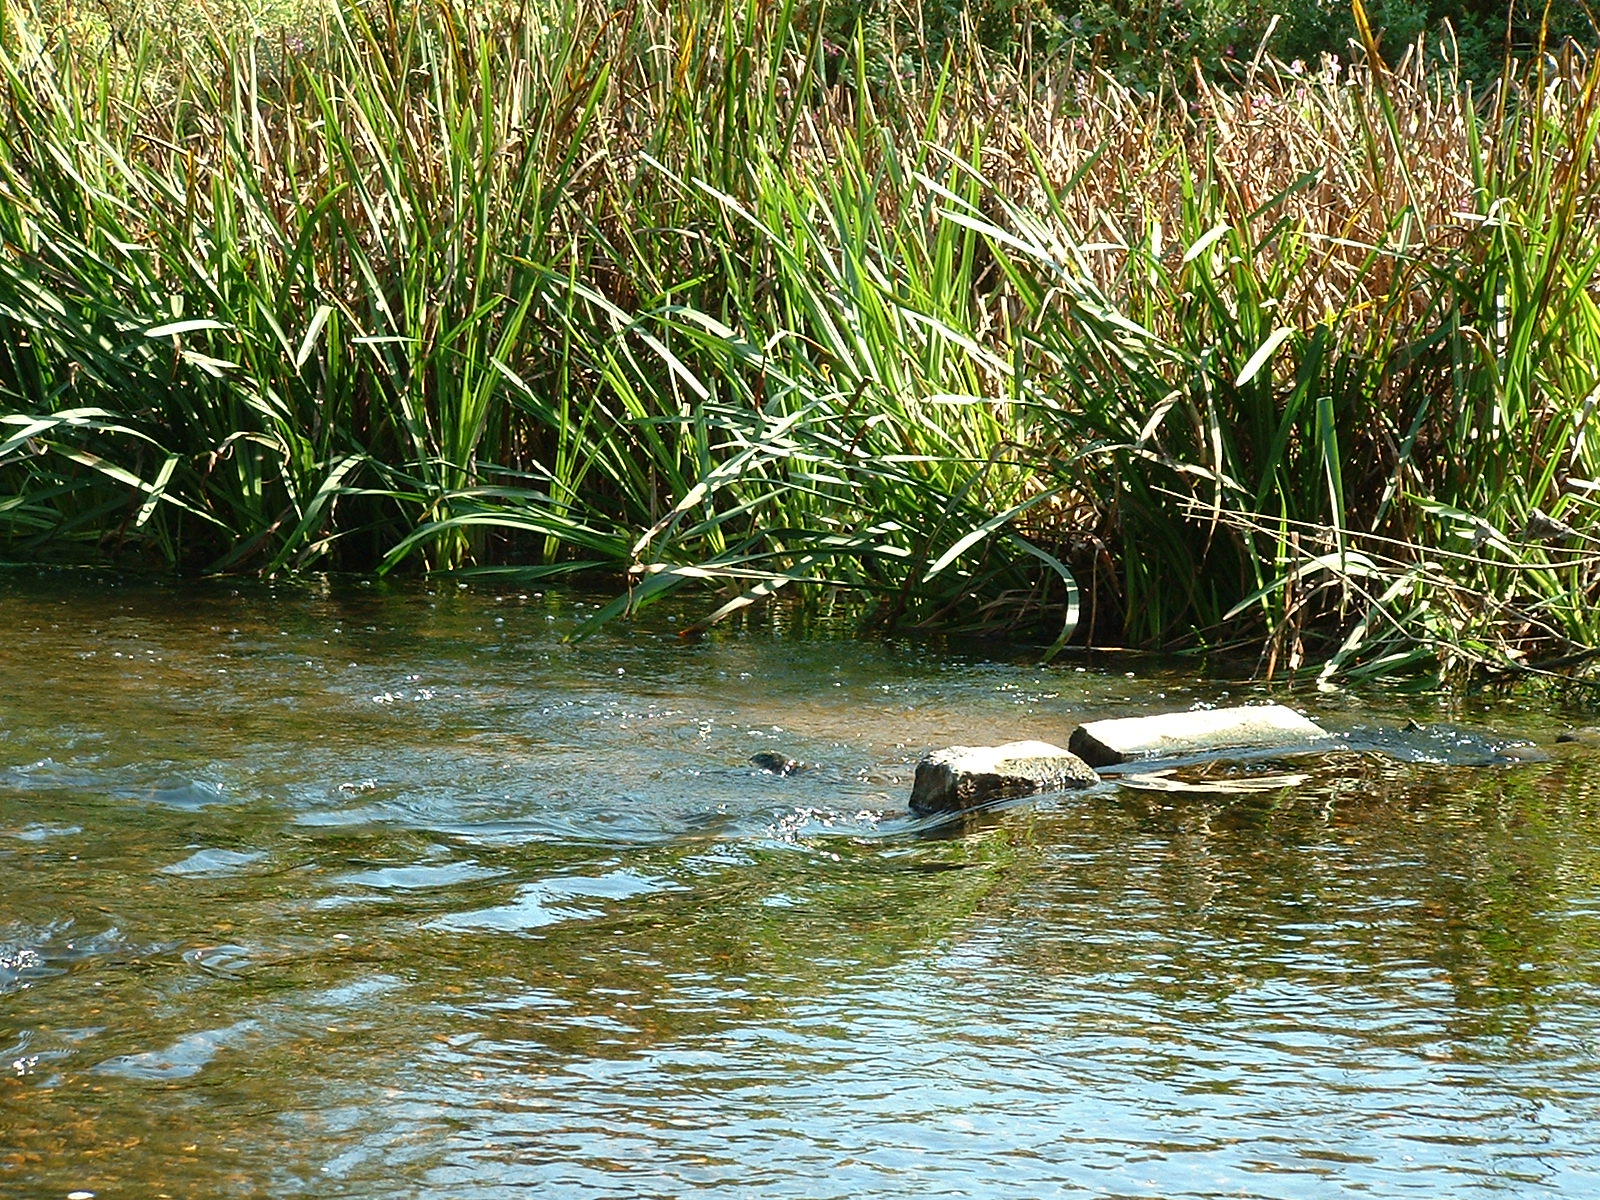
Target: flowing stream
[{"x": 337, "y": 891}]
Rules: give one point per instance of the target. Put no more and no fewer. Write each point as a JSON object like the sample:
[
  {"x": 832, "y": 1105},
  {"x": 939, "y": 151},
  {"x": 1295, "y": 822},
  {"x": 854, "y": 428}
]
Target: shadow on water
[{"x": 329, "y": 890}]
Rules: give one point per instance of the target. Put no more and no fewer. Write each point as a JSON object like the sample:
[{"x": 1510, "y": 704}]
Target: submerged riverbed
[{"x": 337, "y": 891}]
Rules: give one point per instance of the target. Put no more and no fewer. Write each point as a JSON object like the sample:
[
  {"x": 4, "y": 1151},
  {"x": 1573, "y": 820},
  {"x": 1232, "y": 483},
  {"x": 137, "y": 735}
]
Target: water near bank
[{"x": 334, "y": 892}]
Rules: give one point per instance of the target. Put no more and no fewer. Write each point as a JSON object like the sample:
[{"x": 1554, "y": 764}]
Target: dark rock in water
[
  {"x": 775, "y": 763},
  {"x": 963, "y": 777},
  {"x": 1200, "y": 732},
  {"x": 1589, "y": 735},
  {"x": 1446, "y": 745}
]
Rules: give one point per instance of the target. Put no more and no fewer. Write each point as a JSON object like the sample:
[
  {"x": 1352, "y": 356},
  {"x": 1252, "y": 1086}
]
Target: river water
[{"x": 337, "y": 891}]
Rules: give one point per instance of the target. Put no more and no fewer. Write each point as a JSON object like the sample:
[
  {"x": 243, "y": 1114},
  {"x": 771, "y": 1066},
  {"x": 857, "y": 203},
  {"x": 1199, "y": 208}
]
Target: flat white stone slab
[
  {"x": 1203, "y": 731},
  {"x": 962, "y": 777}
]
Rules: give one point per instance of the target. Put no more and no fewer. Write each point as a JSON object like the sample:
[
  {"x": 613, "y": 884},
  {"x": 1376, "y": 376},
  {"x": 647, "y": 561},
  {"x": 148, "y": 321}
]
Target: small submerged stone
[
  {"x": 776, "y": 764},
  {"x": 963, "y": 777}
]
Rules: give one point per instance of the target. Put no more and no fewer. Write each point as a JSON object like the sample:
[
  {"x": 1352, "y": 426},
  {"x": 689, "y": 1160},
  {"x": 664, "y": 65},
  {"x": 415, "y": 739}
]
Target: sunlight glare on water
[{"x": 332, "y": 890}]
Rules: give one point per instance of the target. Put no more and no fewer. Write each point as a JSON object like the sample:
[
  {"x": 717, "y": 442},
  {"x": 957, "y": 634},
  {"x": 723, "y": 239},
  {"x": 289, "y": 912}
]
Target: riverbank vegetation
[{"x": 1300, "y": 358}]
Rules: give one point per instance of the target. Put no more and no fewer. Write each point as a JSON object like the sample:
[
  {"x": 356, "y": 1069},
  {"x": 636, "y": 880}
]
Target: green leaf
[{"x": 1262, "y": 355}]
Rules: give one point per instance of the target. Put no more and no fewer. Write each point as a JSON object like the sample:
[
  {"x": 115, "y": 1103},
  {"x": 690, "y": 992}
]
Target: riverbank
[{"x": 704, "y": 299}]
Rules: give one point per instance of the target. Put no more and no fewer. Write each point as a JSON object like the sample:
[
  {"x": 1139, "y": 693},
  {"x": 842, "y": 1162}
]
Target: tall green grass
[
  {"x": 1336, "y": 335},
  {"x": 693, "y": 296}
]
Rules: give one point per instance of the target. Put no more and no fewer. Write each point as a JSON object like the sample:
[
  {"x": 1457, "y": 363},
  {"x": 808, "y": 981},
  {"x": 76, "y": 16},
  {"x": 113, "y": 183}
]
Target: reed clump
[{"x": 694, "y": 294}]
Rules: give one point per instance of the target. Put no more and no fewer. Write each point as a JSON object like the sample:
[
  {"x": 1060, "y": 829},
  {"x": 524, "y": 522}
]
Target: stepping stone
[
  {"x": 1201, "y": 732},
  {"x": 963, "y": 777}
]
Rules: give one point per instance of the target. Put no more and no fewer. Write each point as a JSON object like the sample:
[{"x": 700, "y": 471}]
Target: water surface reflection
[{"x": 341, "y": 892}]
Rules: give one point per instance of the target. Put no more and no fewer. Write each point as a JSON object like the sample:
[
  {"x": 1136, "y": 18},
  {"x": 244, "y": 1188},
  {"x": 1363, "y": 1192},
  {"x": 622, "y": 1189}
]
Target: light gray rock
[
  {"x": 963, "y": 777},
  {"x": 1203, "y": 731}
]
